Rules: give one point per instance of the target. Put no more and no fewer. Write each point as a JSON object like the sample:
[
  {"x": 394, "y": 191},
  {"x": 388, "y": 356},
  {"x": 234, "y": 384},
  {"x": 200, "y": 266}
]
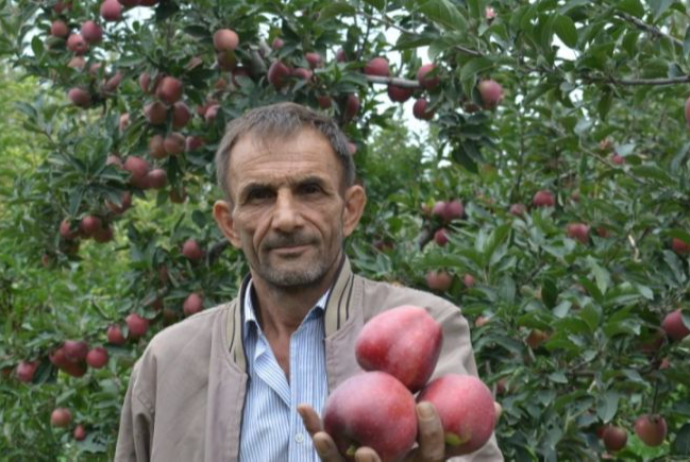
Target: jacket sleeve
[
  {"x": 136, "y": 425},
  {"x": 457, "y": 357}
]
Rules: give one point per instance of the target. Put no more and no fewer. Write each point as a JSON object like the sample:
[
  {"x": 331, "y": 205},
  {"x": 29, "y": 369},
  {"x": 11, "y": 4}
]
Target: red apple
[
  {"x": 544, "y": 199},
  {"x": 77, "y": 62},
  {"x": 468, "y": 280},
  {"x": 181, "y": 115},
  {"x": 60, "y": 417},
  {"x": 278, "y": 74},
  {"x": 79, "y": 97},
  {"x": 79, "y": 433},
  {"x": 138, "y": 167},
  {"x": 75, "y": 369},
  {"x": 114, "y": 335},
  {"x": 448, "y": 211},
  {"x": 439, "y": 280},
  {"x": 482, "y": 321},
  {"x": 111, "y": 10},
  {"x": 124, "y": 122},
  {"x": 651, "y": 429},
  {"x": 491, "y": 93},
  {"x": 399, "y": 94},
  {"x": 579, "y": 232},
  {"x": 77, "y": 44},
  {"x": 92, "y": 32},
  {"x": 105, "y": 234},
  {"x": 61, "y": 7},
  {"x": 617, "y": 159},
  {"x": 66, "y": 230},
  {"x": 156, "y": 113},
  {"x": 441, "y": 237},
  {"x": 679, "y": 246},
  {"x": 314, "y": 59},
  {"x": 519, "y": 210},
  {"x": 192, "y": 143},
  {"x": 341, "y": 56},
  {"x": 466, "y": 408},
  {"x": 59, "y": 29},
  {"x": 429, "y": 83},
  {"x": 157, "y": 147},
  {"x": 372, "y": 409},
  {"x": 169, "y": 90},
  {"x": 303, "y": 73},
  {"x": 377, "y": 66},
  {"x": 674, "y": 327},
  {"x": 211, "y": 113},
  {"x": 277, "y": 43},
  {"x": 192, "y": 250},
  {"x": 144, "y": 82},
  {"x": 615, "y": 438},
  {"x": 114, "y": 159},
  {"x": 174, "y": 143},
  {"x": 26, "y": 371},
  {"x": 75, "y": 350},
  {"x": 325, "y": 102},
  {"x": 225, "y": 40},
  {"x": 351, "y": 107},
  {"x": 404, "y": 342},
  {"x": 137, "y": 325},
  {"x": 157, "y": 178},
  {"x": 193, "y": 304},
  {"x": 110, "y": 85},
  {"x": 420, "y": 111},
  {"x": 90, "y": 225},
  {"x": 97, "y": 357}
]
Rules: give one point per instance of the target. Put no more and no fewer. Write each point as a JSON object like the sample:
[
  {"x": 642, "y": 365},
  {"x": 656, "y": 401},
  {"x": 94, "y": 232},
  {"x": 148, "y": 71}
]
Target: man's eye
[
  {"x": 259, "y": 194},
  {"x": 310, "y": 189}
]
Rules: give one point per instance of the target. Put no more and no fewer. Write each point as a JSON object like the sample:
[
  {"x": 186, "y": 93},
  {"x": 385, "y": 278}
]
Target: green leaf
[
  {"x": 633, "y": 7},
  {"x": 469, "y": 72},
  {"x": 607, "y": 406},
  {"x": 443, "y": 12},
  {"x": 566, "y": 31},
  {"x": 380, "y": 5},
  {"x": 681, "y": 445},
  {"x": 334, "y": 10},
  {"x": 659, "y": 7}
]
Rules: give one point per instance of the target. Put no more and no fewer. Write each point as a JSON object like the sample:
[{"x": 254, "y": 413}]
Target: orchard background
[{"x": 556, "y": 129}]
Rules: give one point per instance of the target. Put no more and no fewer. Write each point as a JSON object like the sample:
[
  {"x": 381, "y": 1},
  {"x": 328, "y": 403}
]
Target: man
[{"x": 246, "y": 380}]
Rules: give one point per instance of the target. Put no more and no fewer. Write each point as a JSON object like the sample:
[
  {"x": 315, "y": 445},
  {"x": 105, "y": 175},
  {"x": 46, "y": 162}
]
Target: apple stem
[
  {"x": 655, "y": 401},
  {"x": 351, "y": 450}
]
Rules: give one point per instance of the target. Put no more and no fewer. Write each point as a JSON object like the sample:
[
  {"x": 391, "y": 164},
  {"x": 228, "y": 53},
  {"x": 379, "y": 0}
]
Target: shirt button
[{"x": 299, "y": 438}]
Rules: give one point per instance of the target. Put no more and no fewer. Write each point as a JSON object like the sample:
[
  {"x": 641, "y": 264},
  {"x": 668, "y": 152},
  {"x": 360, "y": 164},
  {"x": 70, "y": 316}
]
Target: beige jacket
[{"x": 187, "y": 391}]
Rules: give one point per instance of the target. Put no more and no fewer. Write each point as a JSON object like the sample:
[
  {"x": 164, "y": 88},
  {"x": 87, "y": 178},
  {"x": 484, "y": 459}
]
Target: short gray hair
[{"x": 283, "y": 121}]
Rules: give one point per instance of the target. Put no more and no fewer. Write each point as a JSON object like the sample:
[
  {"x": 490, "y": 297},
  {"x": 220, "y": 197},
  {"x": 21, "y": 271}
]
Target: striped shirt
[{"x": 272, "y": 430}]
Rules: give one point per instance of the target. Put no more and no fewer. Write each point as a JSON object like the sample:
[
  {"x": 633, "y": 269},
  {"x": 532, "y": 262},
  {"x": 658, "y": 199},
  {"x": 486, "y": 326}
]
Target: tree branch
[
  {"x": 649, "y": 28},
  {"x": 397, "y": 81}
]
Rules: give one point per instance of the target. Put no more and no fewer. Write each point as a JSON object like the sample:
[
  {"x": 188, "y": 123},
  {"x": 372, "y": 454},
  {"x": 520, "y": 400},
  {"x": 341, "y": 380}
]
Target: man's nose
[{"x": 286, "y": 213}]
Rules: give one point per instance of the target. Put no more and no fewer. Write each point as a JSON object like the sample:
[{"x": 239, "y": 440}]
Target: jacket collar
[{"x": 337, "y": 311}]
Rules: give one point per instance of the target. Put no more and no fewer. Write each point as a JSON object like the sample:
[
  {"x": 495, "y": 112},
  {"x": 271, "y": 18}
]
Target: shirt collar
[{"x": 250, "y": 315}]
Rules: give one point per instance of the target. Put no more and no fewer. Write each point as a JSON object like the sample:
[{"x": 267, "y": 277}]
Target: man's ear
[
  {"x": 222, "y": 212},
  {"x": 355, "y": 200}
]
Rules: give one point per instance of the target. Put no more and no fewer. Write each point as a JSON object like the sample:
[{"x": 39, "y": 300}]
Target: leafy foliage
[{"x": 567, "y": 326}]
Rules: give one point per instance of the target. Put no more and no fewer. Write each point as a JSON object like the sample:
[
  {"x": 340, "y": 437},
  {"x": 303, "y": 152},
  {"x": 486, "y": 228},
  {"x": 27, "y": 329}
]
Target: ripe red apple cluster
[
  {"x": 399, "y": 349},
  {"x": 446, "y": 212},
  {"x": 62, "y": 417}
]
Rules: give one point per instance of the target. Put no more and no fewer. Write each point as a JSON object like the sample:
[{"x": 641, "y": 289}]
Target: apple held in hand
[
  {"x": 466, "y": 408},
  {"x": 405, "y": 342},
  {"x": 372, "y": 409}
]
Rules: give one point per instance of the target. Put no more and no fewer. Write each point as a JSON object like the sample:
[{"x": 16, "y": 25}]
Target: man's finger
[
  {"x": 326, "y": 448},
  {"x": 312, "y": 421},
  {"x": 365, "y": 454},
  {"x": 432, "y": 444}
]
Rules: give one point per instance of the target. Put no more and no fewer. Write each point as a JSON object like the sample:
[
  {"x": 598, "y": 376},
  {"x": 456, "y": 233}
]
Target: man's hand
[{"x": 431, "y": 441}]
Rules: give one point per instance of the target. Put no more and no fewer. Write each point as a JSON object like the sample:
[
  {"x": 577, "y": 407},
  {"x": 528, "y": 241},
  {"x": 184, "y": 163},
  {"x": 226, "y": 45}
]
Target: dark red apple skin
[
  {"x": 404, "y": 342},
  {"x": 651, "y": 429},
  {"x": 466, "y": 408},
  {"x": 372, "y": 409},
  {"x": 615, "y": 438},
  {"x": 674, "y": 327}
]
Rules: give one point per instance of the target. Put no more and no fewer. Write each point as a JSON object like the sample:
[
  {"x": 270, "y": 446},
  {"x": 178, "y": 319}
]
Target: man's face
[{"x": 289, "y": 213}]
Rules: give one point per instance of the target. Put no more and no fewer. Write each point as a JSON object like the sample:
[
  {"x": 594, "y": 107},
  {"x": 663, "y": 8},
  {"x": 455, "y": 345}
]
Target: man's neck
[{"x": 280, "y": 312}]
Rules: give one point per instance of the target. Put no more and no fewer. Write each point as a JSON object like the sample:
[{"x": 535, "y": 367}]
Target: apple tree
[{"x": 526, "y": 160}]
